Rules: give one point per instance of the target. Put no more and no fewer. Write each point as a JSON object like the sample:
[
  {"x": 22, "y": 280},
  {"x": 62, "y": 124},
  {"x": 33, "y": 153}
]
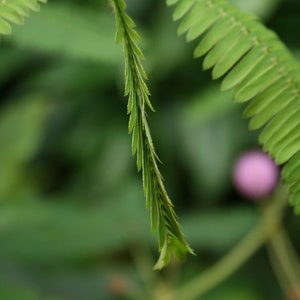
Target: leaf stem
[
  {"x": 285, "y": 263},
  {"x": 268, "y": 224}
]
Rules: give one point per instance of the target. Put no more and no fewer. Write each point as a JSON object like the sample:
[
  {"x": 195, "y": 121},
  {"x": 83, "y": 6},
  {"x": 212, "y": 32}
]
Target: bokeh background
[{"x": 73, "y": 223}]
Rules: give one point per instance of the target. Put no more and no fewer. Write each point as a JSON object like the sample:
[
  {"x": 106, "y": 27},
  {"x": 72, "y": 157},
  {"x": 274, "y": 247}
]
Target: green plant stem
[
  {"x": 268, "y": 224},
  {"x": 285, "y": 263},
  {"x": 142, "y": 259}
]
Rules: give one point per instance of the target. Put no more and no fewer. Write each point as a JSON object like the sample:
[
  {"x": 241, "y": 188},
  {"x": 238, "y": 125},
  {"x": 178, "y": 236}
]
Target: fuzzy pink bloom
[{"x": 255, "y": 175}]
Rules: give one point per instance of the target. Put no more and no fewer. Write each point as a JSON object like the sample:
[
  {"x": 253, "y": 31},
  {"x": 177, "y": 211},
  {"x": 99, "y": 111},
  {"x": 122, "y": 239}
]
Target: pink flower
[{"x": 255, "y": 175}]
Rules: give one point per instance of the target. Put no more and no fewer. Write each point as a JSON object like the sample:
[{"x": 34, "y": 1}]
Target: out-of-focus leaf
[
  {"x": 70, "y": 30},
  {"x": 161, "y": 61},
  {"x": 211, "y": 132},
  {"x": 208, "y": 105},
  {"x": 43, "y": 231},
  {"x": 71, "y": 77},
  {"x": 11, "y": 60},
  {"x": 65, "y": 282},
  {"x": 234, "y": 291},
  {"x": 218, "y": 230},
  {"x": 263, "y": 9},
  {"x": 11, "y": 291},
  {"x": 21, "y": 132}
]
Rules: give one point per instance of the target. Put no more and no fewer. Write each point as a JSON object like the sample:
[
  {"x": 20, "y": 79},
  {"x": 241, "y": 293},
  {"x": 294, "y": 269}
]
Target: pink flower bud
[{"x": 255, "y": 175}]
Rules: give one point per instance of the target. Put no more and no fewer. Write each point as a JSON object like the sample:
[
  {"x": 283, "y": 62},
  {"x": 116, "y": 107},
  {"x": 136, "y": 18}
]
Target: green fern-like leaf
[
  {"x": 15, "y": 11},
  {"x": 163, "y": 217},
  {"x": 258, "y": 67}
]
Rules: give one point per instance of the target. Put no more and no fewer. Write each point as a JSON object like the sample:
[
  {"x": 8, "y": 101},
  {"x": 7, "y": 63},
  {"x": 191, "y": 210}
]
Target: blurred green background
[{"x": 73, "y": 223}]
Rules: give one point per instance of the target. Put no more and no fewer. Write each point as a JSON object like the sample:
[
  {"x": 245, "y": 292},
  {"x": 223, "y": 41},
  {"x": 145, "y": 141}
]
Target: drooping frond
[
  {"x": 258, "y": 67},
  {"x": 162, "y": 215},
  {"x": 15, "y": 11}
]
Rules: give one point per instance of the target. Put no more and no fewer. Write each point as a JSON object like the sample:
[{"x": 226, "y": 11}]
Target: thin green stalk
[
  {"x": 285, "y": 262},
  {"x": 142, "y": 259},
  {"x": 270, "y": 219}
]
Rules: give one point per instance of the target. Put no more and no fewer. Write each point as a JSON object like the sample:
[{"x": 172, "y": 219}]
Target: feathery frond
[
  {"x": 15, "y": 11},
  {"x": 162, "y": 215},
  {"x": 258, "y": 67}
]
